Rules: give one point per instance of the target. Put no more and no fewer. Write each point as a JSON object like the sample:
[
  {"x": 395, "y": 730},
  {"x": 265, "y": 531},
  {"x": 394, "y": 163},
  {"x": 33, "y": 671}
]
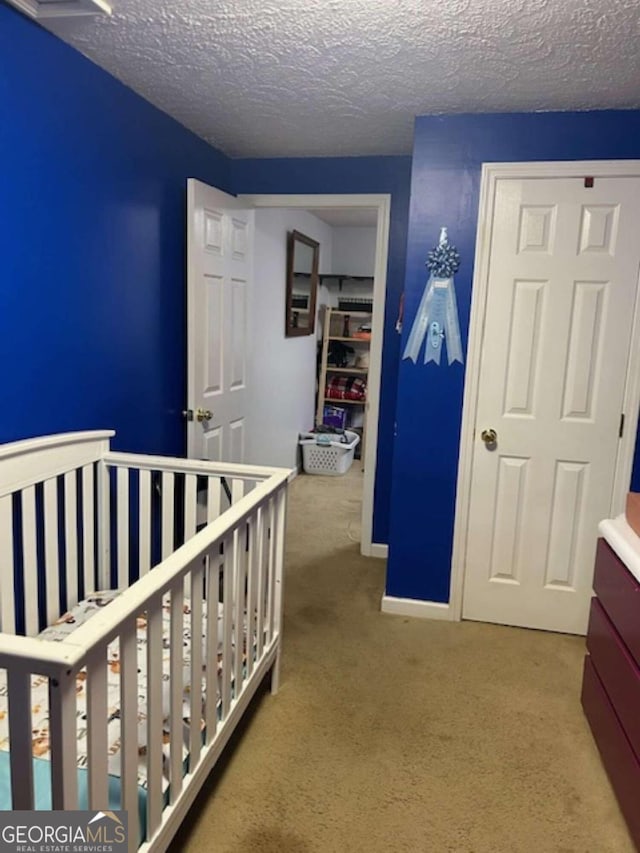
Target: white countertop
[{"x": 624, "y": 542}]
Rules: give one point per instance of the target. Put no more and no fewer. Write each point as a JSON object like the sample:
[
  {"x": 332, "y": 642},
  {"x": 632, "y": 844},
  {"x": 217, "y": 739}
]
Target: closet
[{"x": 343, "y": 367}]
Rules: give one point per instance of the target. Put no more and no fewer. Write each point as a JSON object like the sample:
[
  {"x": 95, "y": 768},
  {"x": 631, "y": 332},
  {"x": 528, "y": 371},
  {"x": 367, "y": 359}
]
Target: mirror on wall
[{"x": 302, "y": 284}]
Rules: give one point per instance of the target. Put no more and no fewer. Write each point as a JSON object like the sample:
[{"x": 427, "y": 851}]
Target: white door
[
  {"x": 219, "y": 275},
  {"x": 563, "y": 273}
]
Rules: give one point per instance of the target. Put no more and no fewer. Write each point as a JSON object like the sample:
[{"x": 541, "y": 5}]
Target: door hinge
[{"x": 621, "y": 430}]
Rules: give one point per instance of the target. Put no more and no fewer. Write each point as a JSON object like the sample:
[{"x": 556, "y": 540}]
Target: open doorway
[
  {"x": 344, "y": 327},
  {"x": 353, "y": 232}
]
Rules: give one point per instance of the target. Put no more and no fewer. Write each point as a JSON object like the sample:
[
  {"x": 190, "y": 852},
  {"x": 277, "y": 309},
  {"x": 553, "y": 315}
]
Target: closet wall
[
  {"x": 354, "y": 250},
  {"x": 354, "y": 253}
]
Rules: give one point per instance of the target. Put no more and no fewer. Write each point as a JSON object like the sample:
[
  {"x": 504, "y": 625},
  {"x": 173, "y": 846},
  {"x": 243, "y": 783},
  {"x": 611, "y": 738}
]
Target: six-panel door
[{"x": 562, "y": 287}]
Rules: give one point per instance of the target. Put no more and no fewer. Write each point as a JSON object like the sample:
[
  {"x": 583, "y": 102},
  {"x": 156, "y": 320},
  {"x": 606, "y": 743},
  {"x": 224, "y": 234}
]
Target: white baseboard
[
  {"x": 417, "y": 608},
  {"x": 294, "y": 473},
  {"x": 379, "y": 550}
]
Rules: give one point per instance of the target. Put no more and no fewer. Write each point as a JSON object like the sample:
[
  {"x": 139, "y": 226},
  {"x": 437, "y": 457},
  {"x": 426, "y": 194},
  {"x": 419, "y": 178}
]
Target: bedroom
[{"x": 95, "y": 190}]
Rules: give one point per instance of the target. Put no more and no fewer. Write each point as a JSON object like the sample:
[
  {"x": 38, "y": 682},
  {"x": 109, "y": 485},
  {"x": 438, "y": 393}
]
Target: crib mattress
[{"x": 39, "y": 692}]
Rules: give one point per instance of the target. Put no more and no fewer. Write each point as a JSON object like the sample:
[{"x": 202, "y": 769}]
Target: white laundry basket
[{"x": 332, "y": 457}]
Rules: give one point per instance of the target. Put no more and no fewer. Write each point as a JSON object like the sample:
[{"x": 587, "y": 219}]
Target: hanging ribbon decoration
[{"x": 437, "y": 315}]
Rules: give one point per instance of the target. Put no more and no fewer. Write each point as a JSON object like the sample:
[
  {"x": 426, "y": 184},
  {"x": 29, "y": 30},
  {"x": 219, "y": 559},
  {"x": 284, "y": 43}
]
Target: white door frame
[
  {"x": 491, "y": 174},
  {"x": 382, "y": 202}
]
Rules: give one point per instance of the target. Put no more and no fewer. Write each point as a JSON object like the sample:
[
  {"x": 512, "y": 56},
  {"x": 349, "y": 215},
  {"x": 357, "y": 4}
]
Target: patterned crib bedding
[{"x": 65, "y": 626}]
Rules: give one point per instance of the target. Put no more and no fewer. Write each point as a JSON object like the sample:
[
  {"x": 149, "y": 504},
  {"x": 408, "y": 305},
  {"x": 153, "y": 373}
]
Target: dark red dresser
[{"x": 611, "y": 683}]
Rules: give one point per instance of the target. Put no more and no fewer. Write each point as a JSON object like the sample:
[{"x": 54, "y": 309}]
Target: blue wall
[
  {"x": 447, "y": 157},
  {"x": 92, "y": 200},
  {"x": 354, "y": 175}
]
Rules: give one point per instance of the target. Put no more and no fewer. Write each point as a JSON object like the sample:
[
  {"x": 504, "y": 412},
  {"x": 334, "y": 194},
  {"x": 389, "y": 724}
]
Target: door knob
[
  {"x": 203, "y": 415},
  {"x": 489, "y": 436}
]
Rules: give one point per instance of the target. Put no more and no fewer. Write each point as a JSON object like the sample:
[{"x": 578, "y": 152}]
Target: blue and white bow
[{"x": 437, "y": 315}]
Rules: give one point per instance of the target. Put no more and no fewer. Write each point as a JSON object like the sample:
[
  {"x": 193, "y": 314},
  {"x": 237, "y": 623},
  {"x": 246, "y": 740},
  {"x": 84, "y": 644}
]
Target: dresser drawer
[
  {"x": 619, "y": 594},
  {"x": 618, "y": 758},
  {"x": 617, "y": 670}
]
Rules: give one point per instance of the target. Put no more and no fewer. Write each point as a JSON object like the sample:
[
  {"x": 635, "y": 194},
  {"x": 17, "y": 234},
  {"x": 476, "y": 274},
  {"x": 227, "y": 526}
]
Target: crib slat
[
  {"x": 176, "y": 664},
  {"x": 168, "y": 520},
  {"x": 238, "y": 606},
  {"x": 122, "y": 477},
  {"x": 154, "y": 715},
  {"x": 271, "y": 563},
  {"x": 278, "y": 581},
  {"x": 213, "y": 498},
  {"x": 30, "y": 561},
  {"x": 88, "y": 530},
  {"x": 261, "y": 551},
  {"x": 144, "y": 489},
  {"x": 129, "y": 725},
  {"x": 51, "y": 557},
  {"x": 96, "y": 686},
  {"x": 71, "y": 536},
  {"x": 211, "y": 690},
  {"x": 251, "y": 593},
  {"x": 104, "y": 527},
  {"x": 227, "y": 623},
  {"x": 190, "y": 510},
  {"x": 7, "y": 601},
  {"x": 62, "y": 720},
  {"x": 237, "y": 490},
  {"x": 195, "y": 734},
  {"x": 20, "y": 735},
  {"x": 190, "y": 505}
]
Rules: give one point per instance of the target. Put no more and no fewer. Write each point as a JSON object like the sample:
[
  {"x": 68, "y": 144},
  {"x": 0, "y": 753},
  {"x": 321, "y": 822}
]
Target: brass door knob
[
  {"x": 203, "y": 415},
  {"x": 489, "y": 436}
]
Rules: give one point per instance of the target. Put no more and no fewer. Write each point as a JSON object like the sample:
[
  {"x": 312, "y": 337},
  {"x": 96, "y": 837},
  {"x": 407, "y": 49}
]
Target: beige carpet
[{"x": 395, "y": 734}]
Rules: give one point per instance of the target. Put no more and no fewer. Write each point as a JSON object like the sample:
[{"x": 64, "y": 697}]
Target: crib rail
[
  {"x": 75, "y": 518},
  {"x": 152, "y": 505},
  {"x": 47, "y": 519},
  {"x": 217, "y": 532}
]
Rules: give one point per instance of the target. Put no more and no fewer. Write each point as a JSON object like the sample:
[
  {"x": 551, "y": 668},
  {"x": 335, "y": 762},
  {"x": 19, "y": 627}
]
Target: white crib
[{"x": 197, "y": 550}]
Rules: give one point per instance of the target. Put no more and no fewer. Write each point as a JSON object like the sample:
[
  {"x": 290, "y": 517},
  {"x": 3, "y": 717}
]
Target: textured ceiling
[{"x": 346, "y": 77}]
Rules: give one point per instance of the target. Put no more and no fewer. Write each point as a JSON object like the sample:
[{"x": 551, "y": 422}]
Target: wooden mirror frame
[{"x": 291, "y": 330}]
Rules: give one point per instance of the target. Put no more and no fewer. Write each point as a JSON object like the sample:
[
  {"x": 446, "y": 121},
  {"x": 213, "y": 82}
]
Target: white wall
[
  {"x": 354, "y": 251},
  {"x": 282, "y": 371}
]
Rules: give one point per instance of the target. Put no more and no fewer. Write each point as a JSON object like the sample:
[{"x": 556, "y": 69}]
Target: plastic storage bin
[{"x": 332, "y": 457}]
